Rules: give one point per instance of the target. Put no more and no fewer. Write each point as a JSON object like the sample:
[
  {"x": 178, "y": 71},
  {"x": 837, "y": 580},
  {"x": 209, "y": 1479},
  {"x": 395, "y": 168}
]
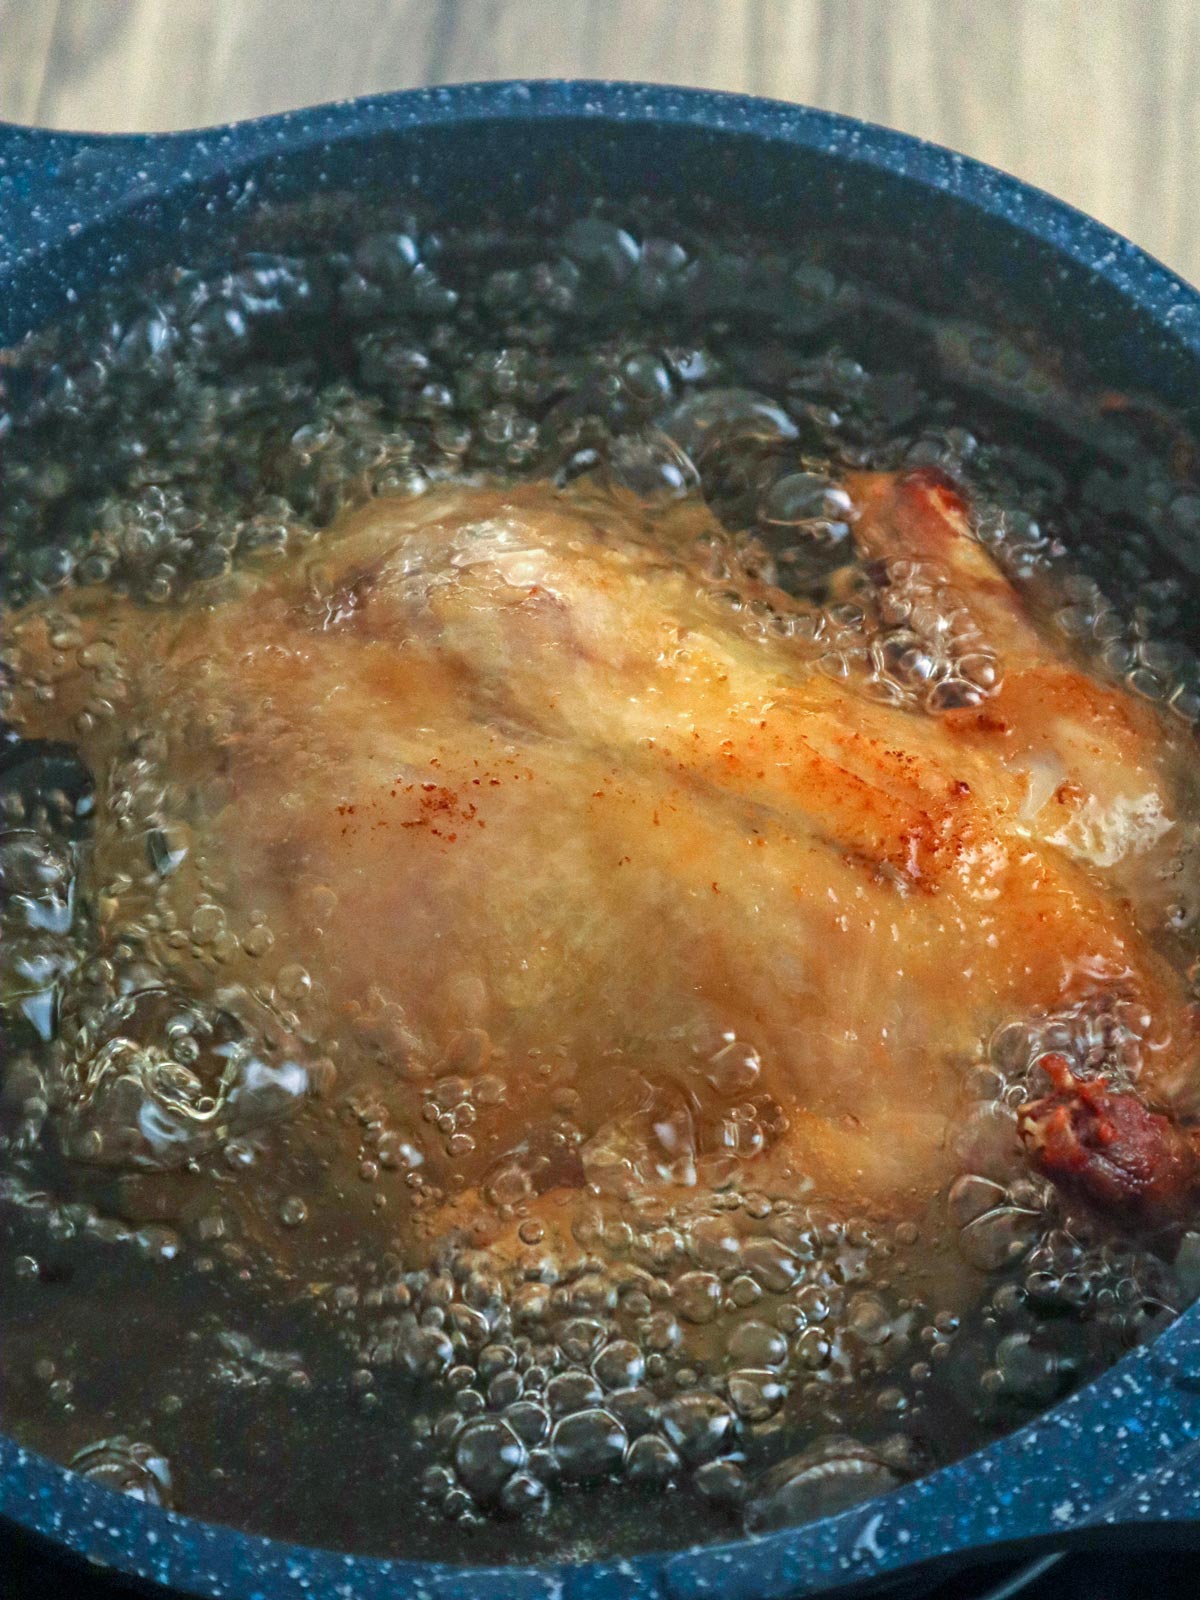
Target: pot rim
[{"x": 1045, "y": 1480}]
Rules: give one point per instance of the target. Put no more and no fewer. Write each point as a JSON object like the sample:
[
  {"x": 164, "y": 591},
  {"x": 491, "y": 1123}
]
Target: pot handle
[
  {"x": 41, "y": 159},
  {"x": 49, "y": 181},
  {"x": 56, "y": 187}
]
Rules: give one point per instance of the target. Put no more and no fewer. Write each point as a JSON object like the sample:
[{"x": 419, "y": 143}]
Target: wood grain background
[{"x": 1096, "y": 100}]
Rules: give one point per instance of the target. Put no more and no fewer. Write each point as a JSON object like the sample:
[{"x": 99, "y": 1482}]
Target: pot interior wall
[{"x": 924, "y": 244}]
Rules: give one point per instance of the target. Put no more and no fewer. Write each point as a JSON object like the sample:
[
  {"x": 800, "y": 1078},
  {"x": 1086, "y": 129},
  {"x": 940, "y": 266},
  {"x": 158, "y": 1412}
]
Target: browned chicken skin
[{"x": 492, "y": 789}]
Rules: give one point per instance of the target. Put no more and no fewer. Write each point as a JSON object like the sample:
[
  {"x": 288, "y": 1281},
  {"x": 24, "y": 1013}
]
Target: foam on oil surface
[{"x": 737, "y": 1345}]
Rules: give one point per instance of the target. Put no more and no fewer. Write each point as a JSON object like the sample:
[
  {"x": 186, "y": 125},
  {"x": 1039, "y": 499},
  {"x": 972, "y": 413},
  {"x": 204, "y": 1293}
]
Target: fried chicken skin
[{"x": 493, "y": 788}]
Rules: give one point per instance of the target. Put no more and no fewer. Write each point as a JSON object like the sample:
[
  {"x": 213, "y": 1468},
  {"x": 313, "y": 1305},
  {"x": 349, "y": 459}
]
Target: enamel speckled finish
[{"x": 1120, "y": 1460}]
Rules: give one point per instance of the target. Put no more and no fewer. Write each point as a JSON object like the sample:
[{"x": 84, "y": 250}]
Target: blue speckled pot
[{"x": 1120, "y": 1460}]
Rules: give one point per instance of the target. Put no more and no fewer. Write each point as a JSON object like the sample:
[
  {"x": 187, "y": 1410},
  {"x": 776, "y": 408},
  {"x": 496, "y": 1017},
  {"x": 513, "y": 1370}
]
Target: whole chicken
[{"x": 517, "y": 841}]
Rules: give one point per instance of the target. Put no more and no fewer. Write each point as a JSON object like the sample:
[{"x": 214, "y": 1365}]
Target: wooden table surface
[{"x": 1096, "y": 100}]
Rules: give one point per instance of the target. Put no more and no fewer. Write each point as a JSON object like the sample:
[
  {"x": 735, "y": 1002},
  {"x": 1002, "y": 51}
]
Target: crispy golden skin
[{"x": 518, "y": 801}]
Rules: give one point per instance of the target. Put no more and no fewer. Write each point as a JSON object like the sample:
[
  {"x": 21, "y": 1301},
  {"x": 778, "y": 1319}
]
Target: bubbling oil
[{"x": 676, "y": 1328}]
